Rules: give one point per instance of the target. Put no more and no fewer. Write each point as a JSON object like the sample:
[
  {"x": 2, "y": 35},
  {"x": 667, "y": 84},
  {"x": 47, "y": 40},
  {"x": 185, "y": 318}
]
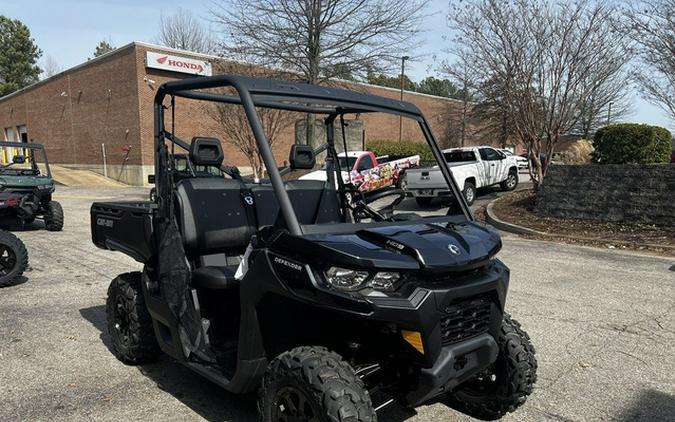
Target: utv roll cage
[
  {"x": 281, "y": 95},
  {"x": 31, "y": 146}
]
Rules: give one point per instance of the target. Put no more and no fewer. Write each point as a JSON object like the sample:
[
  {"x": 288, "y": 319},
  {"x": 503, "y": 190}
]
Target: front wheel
[
  {"x": 13, "y": 258},
  {"x": 511, "y": 181},
  {"x": 506, "y": 384},
  {"x": 54, "y": 217},
  {"x": 313, "y": 384}
]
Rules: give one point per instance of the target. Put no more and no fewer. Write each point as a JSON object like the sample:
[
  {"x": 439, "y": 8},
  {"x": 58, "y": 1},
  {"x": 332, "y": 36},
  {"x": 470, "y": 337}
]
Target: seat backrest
[
  {"x": 212, "y": 215},
  {"x": 312, "y": 203}
]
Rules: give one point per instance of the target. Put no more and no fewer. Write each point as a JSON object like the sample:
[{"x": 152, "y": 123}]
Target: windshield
[
  {"x": 379, "y": 168},
  {"x": 22, "y": 161}
]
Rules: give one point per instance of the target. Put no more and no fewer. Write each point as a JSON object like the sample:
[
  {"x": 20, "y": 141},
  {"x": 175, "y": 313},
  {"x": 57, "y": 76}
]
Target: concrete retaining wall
[{"x": 628, "y": 193}]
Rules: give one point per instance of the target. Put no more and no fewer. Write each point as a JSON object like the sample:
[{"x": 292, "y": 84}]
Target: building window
[{"x": 9, "y": 134}]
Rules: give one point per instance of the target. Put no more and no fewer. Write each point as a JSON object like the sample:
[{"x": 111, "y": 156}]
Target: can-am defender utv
[
  {"x": 26, "y": 189},
  {"x": 305, "y": 291}
]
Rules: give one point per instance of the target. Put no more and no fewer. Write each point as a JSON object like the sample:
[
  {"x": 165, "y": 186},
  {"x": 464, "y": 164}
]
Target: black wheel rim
[
  {"x": 7, "y": 260},
  {"x": 293, "y": 405},
  {"x": 122, "y": 322}
]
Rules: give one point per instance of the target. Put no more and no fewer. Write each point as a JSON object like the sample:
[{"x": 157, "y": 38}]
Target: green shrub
[
  {"x": 403, "y": 148},
  {"x": 632, "y": 143}
]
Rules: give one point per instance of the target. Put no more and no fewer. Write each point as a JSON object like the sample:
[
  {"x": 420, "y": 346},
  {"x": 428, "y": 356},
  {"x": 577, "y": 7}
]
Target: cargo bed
[{"x": 125, "y": 227}]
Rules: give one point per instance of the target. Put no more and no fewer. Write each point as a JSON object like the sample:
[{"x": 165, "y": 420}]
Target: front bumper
[{"x": 455, "y": 364}]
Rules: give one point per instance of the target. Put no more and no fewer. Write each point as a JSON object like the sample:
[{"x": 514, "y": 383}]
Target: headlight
[
  {"x": 352, "y": 280},
  {"x": 345, "y": 279},
  {"x": 384, "y": 280}
]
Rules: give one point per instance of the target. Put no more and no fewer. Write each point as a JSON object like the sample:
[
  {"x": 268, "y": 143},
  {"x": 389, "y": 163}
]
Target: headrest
[{"x": 206, "y": 152}]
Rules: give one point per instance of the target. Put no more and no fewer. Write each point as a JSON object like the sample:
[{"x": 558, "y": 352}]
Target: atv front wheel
[
  {"x": 504, "y": 386},
  {"x": 129, "y": 322},
  {"x": 313, "y": 384},
  {"x": 54, "y": 217},
  {"x": 13, "y": 258}
]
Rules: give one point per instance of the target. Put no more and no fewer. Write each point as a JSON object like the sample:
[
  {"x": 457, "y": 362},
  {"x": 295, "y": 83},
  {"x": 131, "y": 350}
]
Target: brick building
[{"x": 104, "y": 107}]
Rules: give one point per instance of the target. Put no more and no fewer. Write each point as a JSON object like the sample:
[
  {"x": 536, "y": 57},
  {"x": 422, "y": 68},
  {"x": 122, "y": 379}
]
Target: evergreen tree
[{"x": 18, "y": 56}]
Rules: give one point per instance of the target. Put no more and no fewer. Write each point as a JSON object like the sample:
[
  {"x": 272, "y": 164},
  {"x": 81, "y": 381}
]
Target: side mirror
[
  {"x": 19, "y": 159},
  {"x": 302, "y": 157},
  {"x": 151, "y": 179}
]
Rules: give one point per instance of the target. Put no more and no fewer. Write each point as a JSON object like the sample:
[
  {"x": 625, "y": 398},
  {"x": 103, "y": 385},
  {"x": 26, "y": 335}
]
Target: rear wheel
[
  {"x": 129, "y": 322},
  {"x": 13, "y": 258},
  {"x": 54, "y": 217},
  {"x": 313, "y": 384},
  {"x": 469, "y": 192},
  {"x": 504, "y": 386}
]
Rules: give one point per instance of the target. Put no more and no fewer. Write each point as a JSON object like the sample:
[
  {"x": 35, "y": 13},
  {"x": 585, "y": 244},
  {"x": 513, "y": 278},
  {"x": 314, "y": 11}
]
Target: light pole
[
  {"x": 400, "y": 118},
  {"x": 609, "y": 111}
]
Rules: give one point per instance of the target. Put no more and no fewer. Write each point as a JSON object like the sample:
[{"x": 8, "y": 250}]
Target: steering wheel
[{"x": 360, "y": 208}]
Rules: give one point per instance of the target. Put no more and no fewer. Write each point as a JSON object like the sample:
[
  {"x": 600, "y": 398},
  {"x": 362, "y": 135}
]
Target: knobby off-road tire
[
  {"x": 13, "y": 258},
  {"x": 507, "y": 384},
  {"x": 469, "y": 192},
  {"x": 511, "y": 181},
  {"x": 313, "y": 384},
  {"x": 129, "y": 322},
  {"x": 54, "y": 217}
]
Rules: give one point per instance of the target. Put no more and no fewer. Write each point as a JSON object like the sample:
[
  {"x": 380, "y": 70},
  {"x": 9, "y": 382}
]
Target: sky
[{"x": 69, "y": 30}]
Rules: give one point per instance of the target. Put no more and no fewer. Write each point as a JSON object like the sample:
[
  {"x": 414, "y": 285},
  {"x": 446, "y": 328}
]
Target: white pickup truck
[{"x": 472, "y": 168}]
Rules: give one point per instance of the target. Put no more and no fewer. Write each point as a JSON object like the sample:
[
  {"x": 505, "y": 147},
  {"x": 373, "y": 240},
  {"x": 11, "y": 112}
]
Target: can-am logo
[{"x": 177, "y": 64}]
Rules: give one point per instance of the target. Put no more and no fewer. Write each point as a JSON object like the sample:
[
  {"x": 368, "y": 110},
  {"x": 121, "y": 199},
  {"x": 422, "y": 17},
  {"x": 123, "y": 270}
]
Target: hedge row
[
  {"x": 401, "y": 149},
  {"x": 632, "y": 143}
]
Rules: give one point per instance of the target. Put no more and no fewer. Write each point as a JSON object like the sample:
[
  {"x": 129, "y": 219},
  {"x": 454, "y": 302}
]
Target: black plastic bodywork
[{"x": 283, "y": 301}]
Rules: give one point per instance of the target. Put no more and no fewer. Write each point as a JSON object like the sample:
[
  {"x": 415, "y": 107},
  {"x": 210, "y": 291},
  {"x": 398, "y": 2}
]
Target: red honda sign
[{"x": 177, "y": 64}]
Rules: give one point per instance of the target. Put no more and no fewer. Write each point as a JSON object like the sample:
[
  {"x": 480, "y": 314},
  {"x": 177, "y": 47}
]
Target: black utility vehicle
[
  {"x": 331, "y": 306},
  {"x": 26, "y": 189}
]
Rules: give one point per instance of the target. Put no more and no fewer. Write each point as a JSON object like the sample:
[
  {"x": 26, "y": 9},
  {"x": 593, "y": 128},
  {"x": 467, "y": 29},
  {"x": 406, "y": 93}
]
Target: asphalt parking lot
[{"x": 601, "y": 320}]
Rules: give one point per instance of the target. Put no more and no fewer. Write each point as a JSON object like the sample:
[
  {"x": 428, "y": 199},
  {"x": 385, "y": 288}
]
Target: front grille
[{"x": 465, "y": 319}]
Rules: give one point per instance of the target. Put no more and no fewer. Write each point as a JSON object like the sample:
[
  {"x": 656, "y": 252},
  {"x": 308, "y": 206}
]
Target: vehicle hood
[
  {"x": 25, "y": 181},
  {"x": 429, "y": 247}
]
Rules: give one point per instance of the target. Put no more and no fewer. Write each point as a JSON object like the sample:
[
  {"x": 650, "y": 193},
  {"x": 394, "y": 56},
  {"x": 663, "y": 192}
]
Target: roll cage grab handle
[{"x": 184, "y": 88}]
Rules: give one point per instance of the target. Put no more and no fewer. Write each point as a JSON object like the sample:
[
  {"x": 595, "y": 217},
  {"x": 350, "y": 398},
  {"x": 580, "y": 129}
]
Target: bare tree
[
  {"x": 319, "y": 39},
  {"x": 232, "y": 121},
  {"x": 546, "y": 55},
  {"x": 466, "y": 93},
  {"x": 652, "y": 26},
  {"x": 50, "y": 67},
  {"x": 608, "y": 102},
  {"x": 183, "y": 31}
]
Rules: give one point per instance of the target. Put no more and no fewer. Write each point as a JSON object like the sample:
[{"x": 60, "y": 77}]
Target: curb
[
  {"x": 508, "y": 227},
  {"x": 493, "y": 220}
]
